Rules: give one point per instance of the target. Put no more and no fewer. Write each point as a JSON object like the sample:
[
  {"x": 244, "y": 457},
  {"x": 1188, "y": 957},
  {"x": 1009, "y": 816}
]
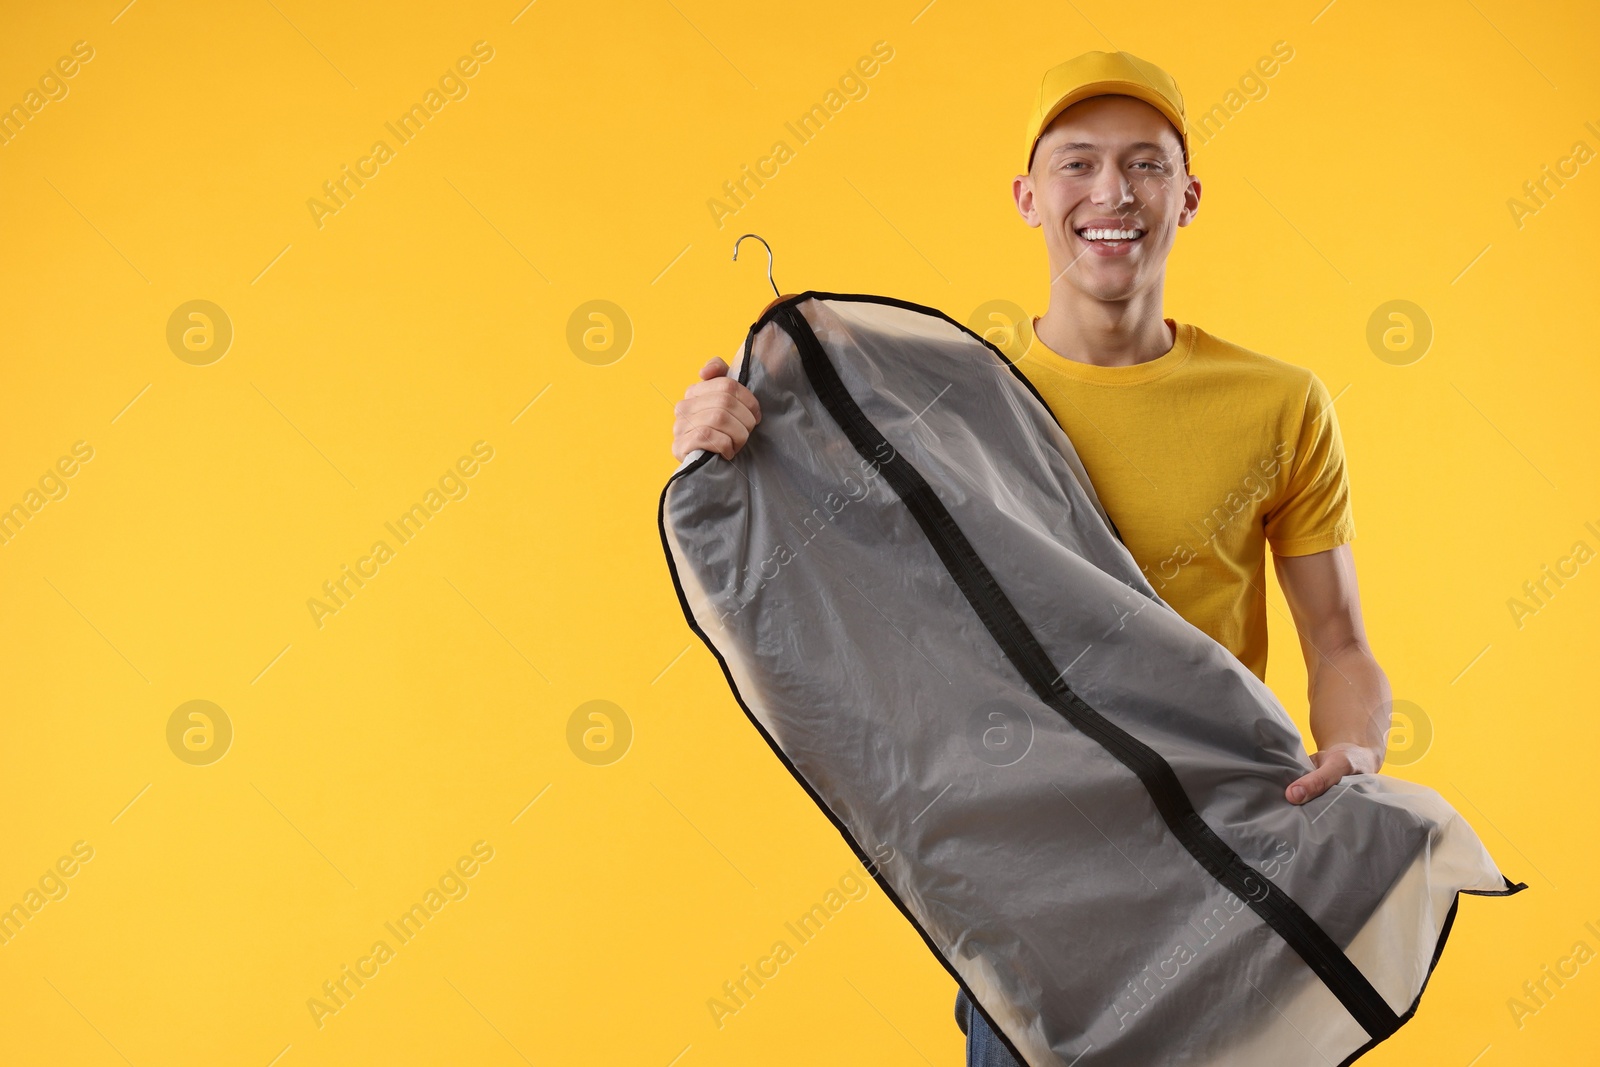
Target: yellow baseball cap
[{"x": 1105, "y": 74}]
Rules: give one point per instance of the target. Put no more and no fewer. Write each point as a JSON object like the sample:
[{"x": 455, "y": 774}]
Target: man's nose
[{"x": 1111, "y": 189}]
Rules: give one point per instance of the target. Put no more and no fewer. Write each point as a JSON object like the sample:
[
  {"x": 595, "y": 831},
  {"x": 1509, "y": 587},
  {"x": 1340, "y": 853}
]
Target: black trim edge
[
  {"x": 868, "y": 864},
  {"x": 1512, "y": 888},
  {"x": 864, "y": 298}
]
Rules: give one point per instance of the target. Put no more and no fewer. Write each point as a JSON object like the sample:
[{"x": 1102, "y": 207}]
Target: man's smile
[{"x": 1110, "y": 236}]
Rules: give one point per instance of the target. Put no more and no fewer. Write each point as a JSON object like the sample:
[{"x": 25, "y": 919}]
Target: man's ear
[
  {"x": 1022, "y": 193},
  {"x": 1191, "y": 202}
]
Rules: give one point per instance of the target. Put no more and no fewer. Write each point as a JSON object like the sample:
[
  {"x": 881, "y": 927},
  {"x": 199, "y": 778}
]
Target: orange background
[{"x": 368, "y": 755}]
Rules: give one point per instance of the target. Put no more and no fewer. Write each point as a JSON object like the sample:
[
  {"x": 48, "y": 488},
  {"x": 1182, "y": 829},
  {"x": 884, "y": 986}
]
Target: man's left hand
[{"x": 1332, "y": 763}]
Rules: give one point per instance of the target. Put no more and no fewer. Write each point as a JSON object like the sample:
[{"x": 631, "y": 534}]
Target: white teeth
[{"x": 1093, "y": 234}]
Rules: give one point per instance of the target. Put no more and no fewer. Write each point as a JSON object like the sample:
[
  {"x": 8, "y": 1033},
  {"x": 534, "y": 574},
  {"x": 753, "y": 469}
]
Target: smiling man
[{"x": 1202, "y": 452}]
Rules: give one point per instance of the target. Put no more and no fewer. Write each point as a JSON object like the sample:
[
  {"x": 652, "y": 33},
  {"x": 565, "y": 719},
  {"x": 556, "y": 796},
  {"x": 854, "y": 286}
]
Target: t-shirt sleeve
[{"x": 1313, "y": 513}]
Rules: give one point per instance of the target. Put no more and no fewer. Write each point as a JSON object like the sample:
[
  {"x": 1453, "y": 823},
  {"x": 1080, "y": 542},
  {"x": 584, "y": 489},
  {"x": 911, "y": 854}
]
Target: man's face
[{"x": 1109, "y": 188}]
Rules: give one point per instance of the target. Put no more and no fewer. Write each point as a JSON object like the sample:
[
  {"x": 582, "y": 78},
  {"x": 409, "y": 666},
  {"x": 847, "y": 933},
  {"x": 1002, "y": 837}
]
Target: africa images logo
[{"x": 338, "y": 191}]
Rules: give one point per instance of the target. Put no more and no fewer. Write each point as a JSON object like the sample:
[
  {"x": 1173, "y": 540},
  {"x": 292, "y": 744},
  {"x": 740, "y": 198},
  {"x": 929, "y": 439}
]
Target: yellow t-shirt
[{"x": 1202, "y": 457}]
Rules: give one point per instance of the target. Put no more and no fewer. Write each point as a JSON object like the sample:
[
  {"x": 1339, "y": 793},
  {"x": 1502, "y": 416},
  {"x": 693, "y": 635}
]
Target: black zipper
[{"x": 1313, "y": 944}]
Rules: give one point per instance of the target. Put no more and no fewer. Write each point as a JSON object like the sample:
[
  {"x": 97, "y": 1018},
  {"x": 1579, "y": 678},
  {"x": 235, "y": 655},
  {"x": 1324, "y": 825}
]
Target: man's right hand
[{"x": 715, "y": 414}]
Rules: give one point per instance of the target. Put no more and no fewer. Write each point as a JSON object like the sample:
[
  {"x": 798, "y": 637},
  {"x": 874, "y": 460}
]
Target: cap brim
[{"x": 1137, "y": 90}]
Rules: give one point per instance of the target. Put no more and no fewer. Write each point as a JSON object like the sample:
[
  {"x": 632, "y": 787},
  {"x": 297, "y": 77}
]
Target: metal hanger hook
[{"x": 768, "y": 247}]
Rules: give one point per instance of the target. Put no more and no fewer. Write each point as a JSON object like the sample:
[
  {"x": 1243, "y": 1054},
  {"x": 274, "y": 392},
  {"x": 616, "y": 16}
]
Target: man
[{"x": 1202, "y": 452}]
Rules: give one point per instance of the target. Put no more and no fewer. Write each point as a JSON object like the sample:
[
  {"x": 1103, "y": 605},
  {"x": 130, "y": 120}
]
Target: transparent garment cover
[{"x": 1074, "y": 795}]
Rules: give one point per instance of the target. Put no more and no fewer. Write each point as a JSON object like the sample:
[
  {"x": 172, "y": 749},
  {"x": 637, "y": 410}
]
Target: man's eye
[{"x": 1073, "y": 165}]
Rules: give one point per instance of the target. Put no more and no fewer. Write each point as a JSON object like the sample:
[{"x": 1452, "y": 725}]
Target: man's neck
[{"x": 1104, "y": 333}]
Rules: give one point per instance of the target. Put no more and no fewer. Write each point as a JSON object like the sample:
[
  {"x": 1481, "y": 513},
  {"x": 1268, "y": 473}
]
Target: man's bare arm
[{"x": 1350, "y": 699}]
